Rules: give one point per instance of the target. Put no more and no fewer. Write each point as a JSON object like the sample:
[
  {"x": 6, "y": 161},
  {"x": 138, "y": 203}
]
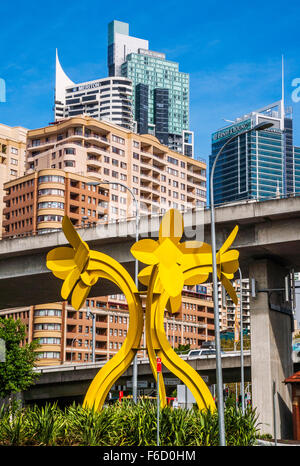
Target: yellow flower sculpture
[
  {"x": 171, "y": 264},
  {"x": 187, "y": 263}
]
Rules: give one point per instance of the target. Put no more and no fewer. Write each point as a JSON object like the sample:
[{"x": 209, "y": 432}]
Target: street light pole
[
  {"x": 219, "y": 379},
  {"x": 72, "y": 343},
  {"x": 242, "y": 342},
  {"x": 136, "y": 270},
  {"x": 93, "y": 315}
]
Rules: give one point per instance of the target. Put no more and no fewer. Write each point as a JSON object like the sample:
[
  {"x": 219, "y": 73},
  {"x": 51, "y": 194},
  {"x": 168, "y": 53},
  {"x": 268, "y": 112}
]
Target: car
[{"x": 201, "y": 352}]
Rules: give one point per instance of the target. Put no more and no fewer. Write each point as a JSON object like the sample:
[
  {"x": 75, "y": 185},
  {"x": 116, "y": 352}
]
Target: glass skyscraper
[
  {"x": 160, "y": 98},
  {"x": 258, "y": 165}
]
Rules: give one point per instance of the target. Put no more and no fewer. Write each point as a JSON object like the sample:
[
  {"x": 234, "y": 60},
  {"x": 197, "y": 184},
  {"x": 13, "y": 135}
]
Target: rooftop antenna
[{"x": 282, "y": 86}]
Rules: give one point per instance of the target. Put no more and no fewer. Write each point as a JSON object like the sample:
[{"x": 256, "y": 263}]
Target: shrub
[{"x": 124, "y": 424}]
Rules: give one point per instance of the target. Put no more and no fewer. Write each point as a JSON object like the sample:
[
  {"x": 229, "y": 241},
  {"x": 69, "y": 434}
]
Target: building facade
[
  {"x": 160, "y": 92},
  {"x": 159, "y": 177},
  {"x": 259, "y": 165},
  {"x": 36, "y": 203},
  {"x": 12, "y": 157}
]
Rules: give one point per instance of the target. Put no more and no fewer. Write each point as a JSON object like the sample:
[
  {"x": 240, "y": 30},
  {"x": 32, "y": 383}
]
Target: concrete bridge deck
[{"x": 72, "y": 380}]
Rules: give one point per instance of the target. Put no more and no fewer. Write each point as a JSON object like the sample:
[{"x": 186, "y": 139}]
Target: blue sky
[{"x": 232, "y": 51}]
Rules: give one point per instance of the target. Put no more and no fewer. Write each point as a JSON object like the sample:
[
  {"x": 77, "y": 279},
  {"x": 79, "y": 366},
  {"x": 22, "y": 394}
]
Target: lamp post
[
  {"x": 136, "y": 270},
  {"x": 72, "y": 343},
  {"x": 219, "y": 380},
  {"x": 242, "y": 343},
  {"x": 93, "y": 316}
]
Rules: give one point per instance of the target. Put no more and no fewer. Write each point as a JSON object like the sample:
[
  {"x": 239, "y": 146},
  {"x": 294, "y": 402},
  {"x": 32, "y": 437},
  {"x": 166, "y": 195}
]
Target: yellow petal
[
  {"x": 82, "y": 255},
  {"x": 229, "y": 261},
  {"x": 171, "y": 226},
  {"x": 144, "y": 251},
  {"x": 61, "y": 261},
  {"x": 171, "y": 279},
  {"x": 69, "y": 283},
  {"x": 79, "y": 295},
  {"x": 196, "y": 275},
  {"x": 70, "y": 232},
  {"x": 144, "y": 275},
  {"x": 229, "y": 240},
  {"x": 229, "y": 288},
  {"x": 175, "y": 303},
  {"x": 189, "y": 261}
]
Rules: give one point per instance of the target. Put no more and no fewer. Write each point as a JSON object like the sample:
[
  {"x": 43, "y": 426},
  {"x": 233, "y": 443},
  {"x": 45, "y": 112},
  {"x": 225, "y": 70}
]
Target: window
[
  {"x": 49, "y": 218},
  {"x": 49, "y": 355},
  {"x": 14, "y": 161},
  {"x": 69, "y": 163},
  {"x": 14, "y": 150},
  {"x": 115, "y": 150},
  {"x": 118, "y": 139},
  {"x": 47, "y": 326},
  {"x": 51, "y": 205},
  {"x": 51, "y": 178},
  {"x": 49, "y": 341},
  {"x": 13, "y": 172},
  {"x": 47, "y": 191},
  {"x": 70, "y": 150},
  {"x": 47, "y": 312}
]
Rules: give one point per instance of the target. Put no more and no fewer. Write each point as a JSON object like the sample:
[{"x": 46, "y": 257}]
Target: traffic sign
[{"x": 158, "y": 364}]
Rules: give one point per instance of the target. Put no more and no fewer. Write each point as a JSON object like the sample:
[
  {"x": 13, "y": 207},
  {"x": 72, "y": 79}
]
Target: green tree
[
  {"x": 16, "y": 373},
  {"x": 182, "y": 349}
]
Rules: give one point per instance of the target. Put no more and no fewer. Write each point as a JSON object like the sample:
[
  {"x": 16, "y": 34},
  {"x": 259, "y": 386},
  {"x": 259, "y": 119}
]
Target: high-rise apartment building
[
  {"x": 229, "y": 311},
  {"x": 12, "y": 157},
  {"x": 160, "y": 178},
  {"x": 259, "y": 165},
  {"x": 160, "y": 92},
  {"x": 105, "y": 99}
]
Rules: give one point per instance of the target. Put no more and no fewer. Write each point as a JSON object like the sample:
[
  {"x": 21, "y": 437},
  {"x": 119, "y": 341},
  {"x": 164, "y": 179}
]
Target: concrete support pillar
[{"x": 271, "y": 351}]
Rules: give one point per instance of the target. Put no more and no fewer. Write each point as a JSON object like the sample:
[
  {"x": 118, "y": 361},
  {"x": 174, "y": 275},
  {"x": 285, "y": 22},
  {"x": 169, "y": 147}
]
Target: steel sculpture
[{"x": 171, "y": 264}]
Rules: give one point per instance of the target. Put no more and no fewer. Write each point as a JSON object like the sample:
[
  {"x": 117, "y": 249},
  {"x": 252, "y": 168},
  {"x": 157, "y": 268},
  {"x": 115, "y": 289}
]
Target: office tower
[
  {"x": 12, "y": 157},
  {"x": 130, "y": 57},
  {"x": 296, "y": 172},
  {"x": 259, "y": 165},
  {"x": 120, "y": 44},
  {"x": 160, "y": 178},
  {"x": 105, "y": 99}
]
